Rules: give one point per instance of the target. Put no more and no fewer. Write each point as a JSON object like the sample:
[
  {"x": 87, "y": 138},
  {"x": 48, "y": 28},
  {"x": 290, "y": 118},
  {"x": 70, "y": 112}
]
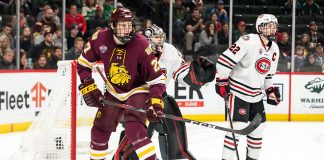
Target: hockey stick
[
  {"x": 245, "y": 131},
  {"x": 226, "y": 96}
]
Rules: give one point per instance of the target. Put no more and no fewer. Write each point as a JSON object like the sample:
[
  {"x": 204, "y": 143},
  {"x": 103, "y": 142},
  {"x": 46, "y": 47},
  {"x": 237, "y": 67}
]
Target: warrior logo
[
  {"x": 118, "y": 72},
  {"x": 315, "y": 85},
  {"x": 242, "y": 111},
  {"x": 263, "y": 65}
]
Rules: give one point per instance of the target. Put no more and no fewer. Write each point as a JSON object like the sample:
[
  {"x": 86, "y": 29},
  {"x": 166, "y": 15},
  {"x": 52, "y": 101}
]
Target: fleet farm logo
[
  {"x": 316, "y": 85},
  {"x": 40, "y": 90}
]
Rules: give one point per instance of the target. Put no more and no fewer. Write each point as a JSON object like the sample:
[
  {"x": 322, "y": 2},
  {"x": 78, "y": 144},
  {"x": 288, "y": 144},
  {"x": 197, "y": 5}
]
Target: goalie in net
[{"x": 172, "y": 134}]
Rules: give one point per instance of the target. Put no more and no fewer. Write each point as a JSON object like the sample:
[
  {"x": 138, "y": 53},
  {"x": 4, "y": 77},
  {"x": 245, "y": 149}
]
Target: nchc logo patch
[
  {"x": 263, "y": 65},
  {"x": 315, "y": 85}
]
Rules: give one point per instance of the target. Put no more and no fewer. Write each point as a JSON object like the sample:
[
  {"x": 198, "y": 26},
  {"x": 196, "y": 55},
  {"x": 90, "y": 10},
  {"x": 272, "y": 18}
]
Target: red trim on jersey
[
  {"x": 222, "y": 59},
  {"x": 251, "y": 92},
  {"x": 179, "y": 69}
]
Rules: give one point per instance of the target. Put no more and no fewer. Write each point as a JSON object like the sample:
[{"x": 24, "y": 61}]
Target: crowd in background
[{"x": 195, "y": 23}]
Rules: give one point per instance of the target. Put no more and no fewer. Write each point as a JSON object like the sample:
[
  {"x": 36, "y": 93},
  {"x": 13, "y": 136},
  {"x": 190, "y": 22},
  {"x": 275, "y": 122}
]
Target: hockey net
[{"x": 53, "y": 133}]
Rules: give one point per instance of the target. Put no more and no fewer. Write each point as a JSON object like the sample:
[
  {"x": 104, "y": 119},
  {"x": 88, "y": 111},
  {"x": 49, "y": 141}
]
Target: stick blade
[{"x": 257, "y": 120}]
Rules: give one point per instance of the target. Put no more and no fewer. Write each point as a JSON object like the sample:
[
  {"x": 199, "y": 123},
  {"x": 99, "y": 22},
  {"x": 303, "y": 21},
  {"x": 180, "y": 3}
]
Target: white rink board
[
  {"x": 20, "y": 84},
  {"x": 304, "y": 100}
]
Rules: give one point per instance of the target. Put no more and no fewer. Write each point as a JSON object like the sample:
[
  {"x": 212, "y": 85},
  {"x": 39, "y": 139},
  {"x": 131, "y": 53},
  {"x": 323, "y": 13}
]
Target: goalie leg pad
[{"x": 175, "y": 135}]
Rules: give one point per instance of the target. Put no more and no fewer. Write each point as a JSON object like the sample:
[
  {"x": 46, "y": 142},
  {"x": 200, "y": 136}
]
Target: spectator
[
  {"x": 26, "y": 40},
  {"x": 22, "y": 21},
  {"x": 39, "y": 34},
  {"x": 284, "y": 45},
  {"x": 73, "y": 17},
  {"x": 97, "y": 22},
  {"x": 41, "y": 62},
  {"x": 40, "y": 15},
  {"x": 4, "y": 44},
  {"x": 7, "y": 30},
  {"x": 208, "y": 36},
  {"x": 223, "y": 36},
  {"x": 48, "y": 19},
  {"x": 304, "y": 41},
  {"x": 193, "y": 4},
  {"x": 319, "y": 55},
  {"x": 193, "y": 25},
  {"x": 287, "y": 8},
  {"x": 108, "y": 8},
  {"x": 239, "y": 31},
  {"x": 213, "y": 19},
  {"x": 44, "y": 48},
  {"x": 299, "y": 57},
  {"x": 89, "y": 9},
  {"x": 313, "y": 33},
  {"x": 146, "y": 24},
  {"x": 74, "y": 33},
  {"x": 23, "y": 61},
  {"x": 75, "y": 51},
  {"x": 57, "y": 56},
  {"x": 58, "y": 37},
  {"x": 220, "y": 12},
  {"x": 311, "y": 8},
  {"x": 7, "y": 61},
  {"x": 56, "y": 10},
  {"x": 179, "y": 17},
  {"x": 310, "y": 64}
]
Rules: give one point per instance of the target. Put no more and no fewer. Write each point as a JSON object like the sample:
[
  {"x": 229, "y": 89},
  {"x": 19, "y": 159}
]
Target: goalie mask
[
  {"x": 266, "y": 25},
  {"x": 122, "y": 24},
  {"x": 156, "y": 37}
]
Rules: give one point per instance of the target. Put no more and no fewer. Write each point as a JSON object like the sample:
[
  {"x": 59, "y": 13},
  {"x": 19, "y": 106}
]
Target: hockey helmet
[
  {"x": 122, "y": 14},
  {"x": 156, "y": 36},
  {"x": 261, "y": 23}
]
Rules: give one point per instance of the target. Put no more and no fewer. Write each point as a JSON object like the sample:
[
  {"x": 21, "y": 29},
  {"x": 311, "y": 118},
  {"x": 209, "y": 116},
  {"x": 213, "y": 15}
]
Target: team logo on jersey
[
  {"x": 242, "y": 111},
  {"x": 118, "y": 72},
  {"x": 263, "y": 65},
  {"x": 103, "y": 48}
]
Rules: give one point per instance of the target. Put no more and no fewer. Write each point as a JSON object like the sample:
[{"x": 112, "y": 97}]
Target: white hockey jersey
[
  {"x": 173, "y": 65},
  {"x": 249, "y": 64}
]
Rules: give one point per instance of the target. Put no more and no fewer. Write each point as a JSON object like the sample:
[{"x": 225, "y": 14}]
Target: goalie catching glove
[
  {"x": 155, "y": 110},
  {"x": 90, "y": 93},
  {"x": 273, "y": 95},
  {"x": 202, "y": 70}
]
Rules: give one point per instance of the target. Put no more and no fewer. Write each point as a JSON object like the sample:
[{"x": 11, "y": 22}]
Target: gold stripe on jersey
[
  {"x": 140, "y": 89},
  {"x": 84, "y": 62}
]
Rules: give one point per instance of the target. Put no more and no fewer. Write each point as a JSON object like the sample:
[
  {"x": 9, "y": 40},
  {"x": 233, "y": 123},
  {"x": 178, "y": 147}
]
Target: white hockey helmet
[
  {"x": 156, "y": 36},
  {"x": 264, "y": 19}
]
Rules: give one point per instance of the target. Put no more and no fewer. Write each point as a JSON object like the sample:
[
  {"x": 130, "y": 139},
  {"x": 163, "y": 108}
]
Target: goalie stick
[{"x": 245, "y": 131}]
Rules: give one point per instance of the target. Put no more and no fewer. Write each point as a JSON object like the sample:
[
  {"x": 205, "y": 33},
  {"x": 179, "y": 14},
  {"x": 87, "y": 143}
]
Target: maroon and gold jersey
[{"x": 130, "y": 68}]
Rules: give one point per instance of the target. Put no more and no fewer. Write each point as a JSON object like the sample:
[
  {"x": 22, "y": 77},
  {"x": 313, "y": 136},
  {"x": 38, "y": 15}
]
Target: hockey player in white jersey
[
  {"x": 172, "y": 134},
  {"x": 244, "y": 70}
]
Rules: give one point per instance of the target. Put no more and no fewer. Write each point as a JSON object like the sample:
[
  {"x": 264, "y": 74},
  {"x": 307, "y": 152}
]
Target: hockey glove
[
  {"x": 273, "y": 95},
  {"x": 154, "y": 112},
  {"x": 90, "y": 93},
  {"x": 222, "y": 86}
]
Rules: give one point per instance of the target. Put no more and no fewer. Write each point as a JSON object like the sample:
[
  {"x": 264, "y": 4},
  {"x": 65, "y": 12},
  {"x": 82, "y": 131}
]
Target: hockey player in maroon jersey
[
  {"x": 134, "y": 78},
  {"x": 244, "y": 70},
  {"x": 172, "y": 134}
]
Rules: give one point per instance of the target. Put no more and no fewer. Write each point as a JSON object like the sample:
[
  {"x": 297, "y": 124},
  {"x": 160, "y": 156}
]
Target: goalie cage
[{"x": 52, "y": 134}]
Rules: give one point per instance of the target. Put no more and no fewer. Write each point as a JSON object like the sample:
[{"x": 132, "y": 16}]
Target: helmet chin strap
[{"x": 122, "y": 40}]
